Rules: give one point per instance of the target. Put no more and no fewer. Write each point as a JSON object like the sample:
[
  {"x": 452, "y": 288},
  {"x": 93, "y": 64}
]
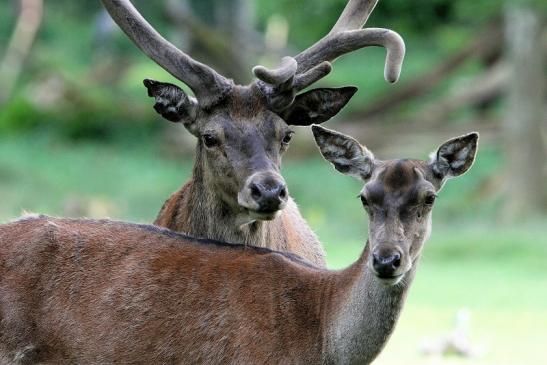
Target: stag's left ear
[
  {"x": 317, "y": 106},
  {"x": 344, "y": 152},
  {"x": 455, "y": 156}
]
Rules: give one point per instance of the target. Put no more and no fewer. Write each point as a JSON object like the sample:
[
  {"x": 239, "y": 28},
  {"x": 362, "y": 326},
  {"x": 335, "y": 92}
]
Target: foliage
[{"x": 71, "y": 47}]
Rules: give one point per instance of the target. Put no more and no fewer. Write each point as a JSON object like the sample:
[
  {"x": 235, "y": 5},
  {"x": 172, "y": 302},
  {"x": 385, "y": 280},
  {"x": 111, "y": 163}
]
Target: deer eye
[
  {"x": 209, "y": 140},
  {"x": 430, "y": 199},
  {"x": 287, "y": 138}
]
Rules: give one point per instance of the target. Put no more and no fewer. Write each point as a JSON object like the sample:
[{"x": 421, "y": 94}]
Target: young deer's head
[
  {"x": 242, "y": 131},
  {"x": 398, "y": 195}
]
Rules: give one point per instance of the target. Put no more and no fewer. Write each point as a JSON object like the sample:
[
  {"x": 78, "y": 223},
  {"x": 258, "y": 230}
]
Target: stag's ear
[
  {"x": 317, "y": 106},
  {"x": 344, "y": 152},
  {"x": 172, "y": 103},
  {"x": 455, "y": 156}
]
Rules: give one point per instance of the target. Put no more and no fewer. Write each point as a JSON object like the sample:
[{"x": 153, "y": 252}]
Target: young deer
[
  {"x": 103, "y": 292},
  {"x": 236, "y": 192}
]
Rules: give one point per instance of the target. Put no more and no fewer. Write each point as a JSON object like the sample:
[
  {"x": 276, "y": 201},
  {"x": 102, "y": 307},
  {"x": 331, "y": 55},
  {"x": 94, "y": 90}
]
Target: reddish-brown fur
[{"x": 77, "y": 291}]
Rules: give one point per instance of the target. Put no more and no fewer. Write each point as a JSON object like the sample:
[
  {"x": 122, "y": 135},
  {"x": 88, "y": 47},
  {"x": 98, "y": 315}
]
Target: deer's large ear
[
  {"x": 344, "y": 152},
  {"x": 455, "y": 156},
  {"x": 172, "y": 103},
  {"x": 317, "y": 106}
]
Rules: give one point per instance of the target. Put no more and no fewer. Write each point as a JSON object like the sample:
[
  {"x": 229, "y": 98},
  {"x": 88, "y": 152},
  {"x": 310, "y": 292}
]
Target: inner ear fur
[
  {"x": 455, "y": 156},
  {"x": 344, "y": 153},
  {"x": 317, "y": 106}
]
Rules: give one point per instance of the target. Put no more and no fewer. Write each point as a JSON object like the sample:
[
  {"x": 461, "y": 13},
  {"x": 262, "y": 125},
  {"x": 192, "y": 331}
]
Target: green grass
[{"x": 496, "y": 271}]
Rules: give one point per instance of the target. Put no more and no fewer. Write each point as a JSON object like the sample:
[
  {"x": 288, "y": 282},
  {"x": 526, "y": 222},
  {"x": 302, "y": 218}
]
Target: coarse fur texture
[{"x": 105, "y": 292}]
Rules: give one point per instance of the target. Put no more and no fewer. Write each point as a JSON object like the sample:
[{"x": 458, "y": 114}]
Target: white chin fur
[
  {"x": 391, "y": 281},
  {"x": 249, "y": 217}
]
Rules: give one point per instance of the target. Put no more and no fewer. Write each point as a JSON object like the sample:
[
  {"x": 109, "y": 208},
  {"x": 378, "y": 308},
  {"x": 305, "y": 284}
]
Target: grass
[
  {"x": 498, "y": 275},
  {"x": 497, "y": 272}
]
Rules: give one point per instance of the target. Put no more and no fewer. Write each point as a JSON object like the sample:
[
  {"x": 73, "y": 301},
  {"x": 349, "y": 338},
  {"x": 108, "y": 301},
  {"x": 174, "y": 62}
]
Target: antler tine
[
  {"x": 313, "y": 75},
  {"x": 280, "y": 75},
  {"x": 207, "y": 85},
  {"x": 354, "y": 16},
  {"x": 331, "y": 47},
  {"x": 281, "y": 84},
  {"x": 346, "y": 36}
]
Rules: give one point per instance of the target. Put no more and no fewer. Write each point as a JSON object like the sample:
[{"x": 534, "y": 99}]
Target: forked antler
[
  {"x": 313, "y": 63},
  {"x": 208, "y": 85}
]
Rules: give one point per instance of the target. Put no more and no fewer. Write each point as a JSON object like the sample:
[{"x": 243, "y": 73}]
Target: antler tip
[
  {"x": 284, "y": 72},
  {"x": 391, "y": 77}
]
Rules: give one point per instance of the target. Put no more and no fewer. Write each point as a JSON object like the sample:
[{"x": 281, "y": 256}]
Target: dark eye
[
  {"x": 287, "y": 138},
  {"x": 364, "y": 201},
  {"x": 209, "y": 140},
  {"x": 430, "y": 199}
]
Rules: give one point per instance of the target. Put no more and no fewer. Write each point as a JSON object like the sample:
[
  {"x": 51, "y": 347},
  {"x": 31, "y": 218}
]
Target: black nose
[
  {"x": 269, "y": 195},
  {"x": 386, "y": 262}
]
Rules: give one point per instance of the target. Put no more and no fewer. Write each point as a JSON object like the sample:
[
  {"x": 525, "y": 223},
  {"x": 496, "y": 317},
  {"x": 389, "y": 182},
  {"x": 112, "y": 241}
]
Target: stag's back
[{"x": 80, "y": 291}]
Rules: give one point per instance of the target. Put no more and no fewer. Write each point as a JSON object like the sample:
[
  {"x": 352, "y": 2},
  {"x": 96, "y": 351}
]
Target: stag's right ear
[
  {"x": 344, "y": 152},
  {"x": 173, "y": 104}
]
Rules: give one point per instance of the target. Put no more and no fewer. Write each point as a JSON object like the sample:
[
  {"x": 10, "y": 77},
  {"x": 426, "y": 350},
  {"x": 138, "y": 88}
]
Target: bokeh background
[{"x": 79, "y": 137}]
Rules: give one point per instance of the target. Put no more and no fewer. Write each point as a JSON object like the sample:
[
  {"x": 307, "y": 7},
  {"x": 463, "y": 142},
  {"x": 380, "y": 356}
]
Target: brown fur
[
  {"x": 98, "y": 292},
  {"x": 171, "y": 215}
]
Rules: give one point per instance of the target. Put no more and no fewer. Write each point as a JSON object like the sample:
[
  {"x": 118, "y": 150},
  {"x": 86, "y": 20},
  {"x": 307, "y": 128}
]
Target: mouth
[
  {"x": 390, "y": 280},
  {"x": 264, "y": 215},
  {"x": 249, "y": 216}
]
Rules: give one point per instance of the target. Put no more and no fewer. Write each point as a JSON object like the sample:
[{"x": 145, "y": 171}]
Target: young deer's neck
[
  {"x": 211, "y": 217},
  {"x": 363, "y": 313}
]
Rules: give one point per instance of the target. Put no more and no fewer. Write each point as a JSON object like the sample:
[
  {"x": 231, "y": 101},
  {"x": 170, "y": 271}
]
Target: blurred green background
[{"x": 79, "y": 137}]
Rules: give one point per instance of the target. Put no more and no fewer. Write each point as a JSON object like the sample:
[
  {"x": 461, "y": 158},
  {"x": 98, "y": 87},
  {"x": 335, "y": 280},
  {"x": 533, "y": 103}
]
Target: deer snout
[
  {"x": 386, "y": 262},
  {"x": 264, "y": 195},
  {"x": 269, "y": 197}
]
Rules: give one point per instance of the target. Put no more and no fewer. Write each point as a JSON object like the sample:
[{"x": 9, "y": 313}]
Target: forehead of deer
[
  {"x": 244, "y": 106},
  {"x": 244, "y": 102},
  {"x": 399, "y": 177}
]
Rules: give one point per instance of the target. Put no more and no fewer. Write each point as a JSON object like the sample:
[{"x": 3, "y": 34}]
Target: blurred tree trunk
[
  {"x": 526, "y": 116},
  {"x": 26, "y": 28}
]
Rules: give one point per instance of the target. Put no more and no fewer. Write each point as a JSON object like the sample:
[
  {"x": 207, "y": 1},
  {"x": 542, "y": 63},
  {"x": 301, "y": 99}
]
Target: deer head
[
  {"x": 398, "y": 195},
  {"x": 242, "y": 131}
]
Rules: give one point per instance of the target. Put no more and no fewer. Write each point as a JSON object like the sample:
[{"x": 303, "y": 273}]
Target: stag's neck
[
  {"x": 363, "y": 313},
  {"x": 202, "y": 212},
  {"x": 199, "y": 210}
]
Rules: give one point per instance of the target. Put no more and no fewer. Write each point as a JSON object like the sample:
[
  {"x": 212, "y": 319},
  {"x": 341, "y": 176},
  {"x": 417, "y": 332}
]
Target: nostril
[
  {"x": 375, "y": 259},
  {"x": 256, "y": 193},
  {"x": 283, "y": 192},
  {"x": 396, "y": 260}
]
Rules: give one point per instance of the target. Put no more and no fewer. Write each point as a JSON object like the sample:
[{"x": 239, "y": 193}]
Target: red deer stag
[
  {"x": 104, "y": 292},
  {"x": 236, "y": 192}
]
